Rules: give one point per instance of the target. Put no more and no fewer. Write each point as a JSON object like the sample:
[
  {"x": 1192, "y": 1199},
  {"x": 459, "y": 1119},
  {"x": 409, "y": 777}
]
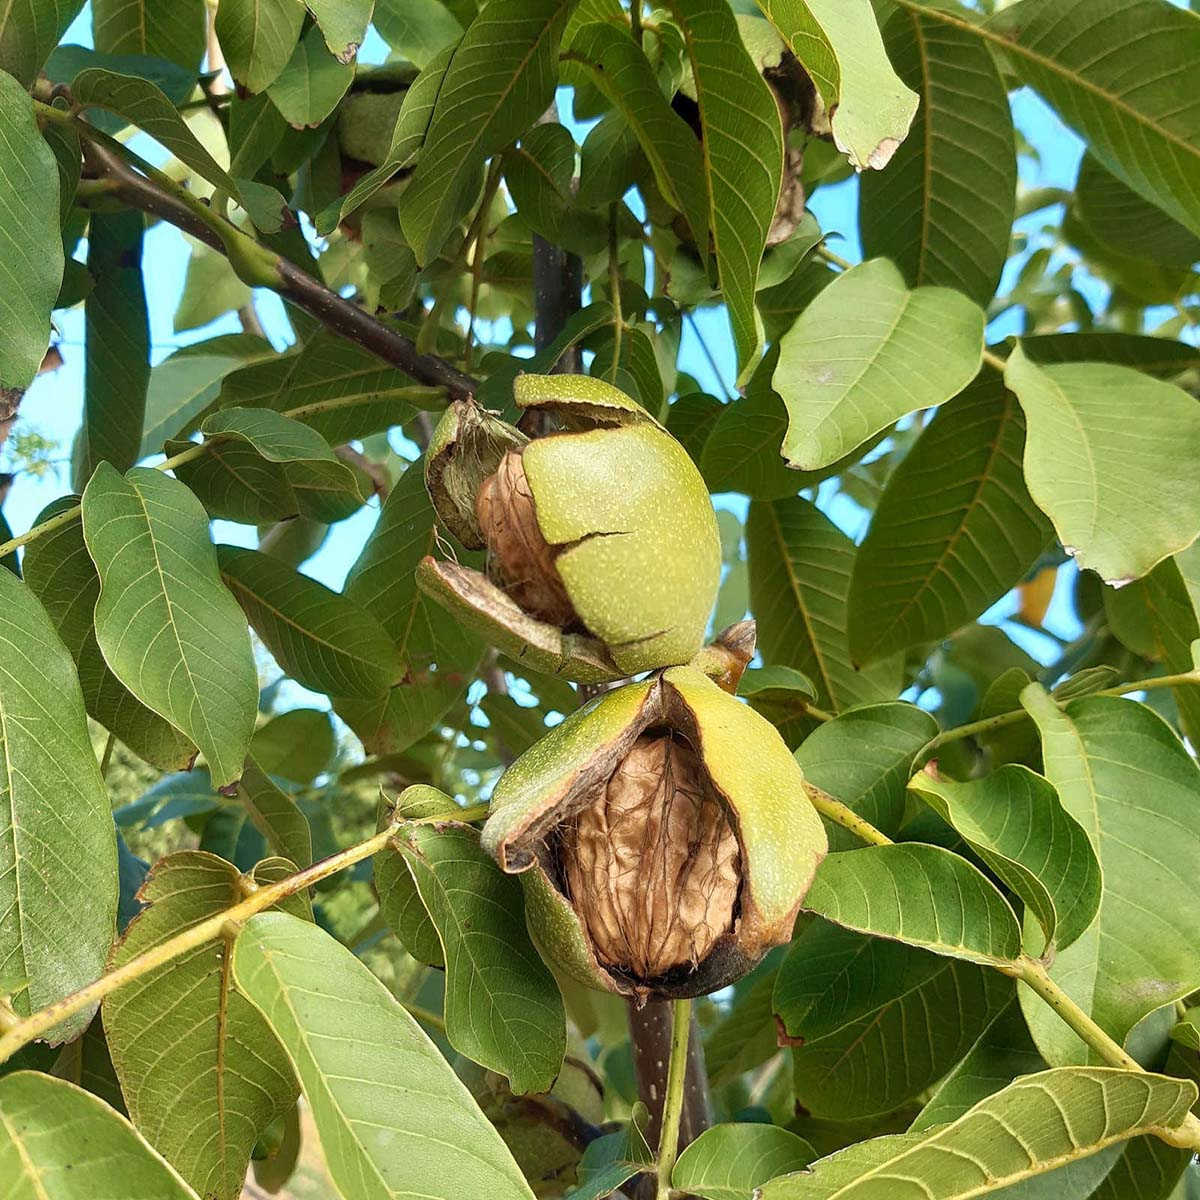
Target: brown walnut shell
[
  {"x": 652, "y": 863},
  {"x": 521, "y": 556}
]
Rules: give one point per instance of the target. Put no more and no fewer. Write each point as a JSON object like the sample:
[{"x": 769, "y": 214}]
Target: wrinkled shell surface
[
  {"x": 652, "y": 863},
  {"x": 519, "y": 554}
]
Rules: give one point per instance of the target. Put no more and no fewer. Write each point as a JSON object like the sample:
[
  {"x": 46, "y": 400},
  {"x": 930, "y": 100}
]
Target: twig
[
  {"x": 218, "y": 925},
  {"x": 841, "y": 814}
]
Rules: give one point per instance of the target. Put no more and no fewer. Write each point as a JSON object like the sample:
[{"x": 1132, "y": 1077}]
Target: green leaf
[
  {"x": 498, "y": 81},
  {"x": 172, "y": 31},
  {"x": 403, "y": 910},
  {"x": 274, "y": 813},
  {"x": 350, "y": 1042},
  {"x": 745, "y": 1036},
  {"x": 29, "y": 30},
  {"x": 1004, "y": 1051},
  {"x": 838, "y": 44},
  {"x": 846, "y": 1001},
  {"x": 417, "y": 33},
  {"x": 408, "y": 136},
  {"x": 867, "y": 351},
  {"x": 265, "y": 466},
  {"x": 954, "y": 530},
  {"x": 257, "y": 38},
  {"x": 297, "y": 745},
  {"x": 57, "y": 1140},
  {"x": 61, "y": 574},
  {"x": 438, "y": 654},
  {"x": 864, "y": 758},
  {"x": 616, "y": 65},
  {"x": 741, "y": 453},
  {"x": 58, "y": 856},
  {"x": 1155, "y": 616},
  {"x": 921, "y": 895},
  {"x": 1047, "y": 1121},
  {"x": 338, "y": 388},
  {"x": 200, "y": 1070},
  {"x": 185, "y": 383},
  {"x": 1155, "y": 355},
  {"x": 1116, "y": 214},
  {"x": 613, "y": 1159},
  {"x": 31, "y": 249},
  {"x": 1115, "y": 70},
  {"x": 312, "y": 83},
  {"x": 503, "y": 1008},
  {"x": 727, "y": 1162},
  {"x": 943, "y": 209},
  {"x": 742, "y": 143},
  {"x": 210, "y": 289},
  {"x": 319, "y": 637},
  {"x": 344, "y": 24},
  {"x": 800, "y": 566},
  {"x": 166, "y": 625},
  {"x": 1120, "y": 505},
  {"x": 117, "y": 370},
  {"x": 143, "y": 104},
  {"x": 1125, "y": 777},
  {"x": 1014, "y": 821}
]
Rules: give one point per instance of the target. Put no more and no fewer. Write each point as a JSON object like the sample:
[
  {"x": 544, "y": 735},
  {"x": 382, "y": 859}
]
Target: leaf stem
[
  {"x": 823, "y": 251},
  {"x": 44, "y": 1019},
  {"x": 994, "y": 360},
  {"x": 478, "y": 238},
  {"x": 1033, "y": 973},
  {"x": 668, "y": 1138},
  {"x": 841, "y": 814},
  {"x": 1000, "y": 720}
]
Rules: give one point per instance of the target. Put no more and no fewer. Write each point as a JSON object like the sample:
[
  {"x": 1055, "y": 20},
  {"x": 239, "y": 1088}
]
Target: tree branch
[{"x": 148, "y": 190}]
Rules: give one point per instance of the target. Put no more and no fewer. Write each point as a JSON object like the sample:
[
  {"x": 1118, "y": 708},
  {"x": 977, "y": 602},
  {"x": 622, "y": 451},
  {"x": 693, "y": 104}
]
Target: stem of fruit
[
  {"x": 987, "y": 724},
  {"x": 1033, "y": 973},
  {"x": 27, "y": 1029},
  {"x": 668, "y": 1138}
]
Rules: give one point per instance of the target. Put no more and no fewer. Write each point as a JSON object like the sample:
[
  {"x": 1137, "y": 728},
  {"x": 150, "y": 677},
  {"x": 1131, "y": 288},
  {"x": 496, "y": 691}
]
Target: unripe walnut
[
  {"x": 664, "y": 837},
  {"x": 603, "y": 556},
  {"x": 652, "y": 863}
]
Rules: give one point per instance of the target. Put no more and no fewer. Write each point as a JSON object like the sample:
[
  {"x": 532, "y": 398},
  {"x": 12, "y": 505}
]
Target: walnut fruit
[
  {"x": 664, "y": 837},
  {"x": 602, "y": 552}
]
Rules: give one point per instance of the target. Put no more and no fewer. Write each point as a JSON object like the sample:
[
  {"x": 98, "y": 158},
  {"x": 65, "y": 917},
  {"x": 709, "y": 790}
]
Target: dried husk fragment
[{"x": 520, "y": 555}]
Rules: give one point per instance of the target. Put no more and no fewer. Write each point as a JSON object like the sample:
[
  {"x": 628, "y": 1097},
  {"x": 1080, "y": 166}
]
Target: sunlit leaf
[
  {"x": 867, "y": 351},
  {"x": 172, "y": 31},
  {"x": 312, "y": 82},
  {"x": 1048, "y": 1121},
  {"x": 1119, "y": 503},
  {"x": 351, "y": 1043},
  {"x": 838, "y": 44},
  {"x": 257, "y": 38},
  {"x": 200, "y": 1071},
  {"x": 165, "y": 623},
  {"x": 29, "y": 30},
  {"x": 1125, "y": 777},
  {"x": 727, "y": 1162},
  {"x": 921, "y": 895},
  {"x": 503, "y": 1008},
  {"x": 58, "y": 857},
  {"x": 58, "y": 1141},
  {"x": 30, "y": 245},
  {"x": 1014, "y": 821}
]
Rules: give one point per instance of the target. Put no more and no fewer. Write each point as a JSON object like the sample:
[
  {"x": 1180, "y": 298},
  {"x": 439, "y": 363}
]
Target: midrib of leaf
[
  {"x": 31, "y": 1171},
  {"x": 980, "y": 481},
  {"x": 222, "y": 1028},
  {"x": 801, "y": 607},
  {"x": 162, "y": 579},
  {"x": 285, "y": 999},
  {"x": 12, "y": 817},
  {"x": 402, "y": 646},
  {"x": 927, "y": 123},
  {"x": 1016, "y": 48},
  {"x": 235, "y": 584}
]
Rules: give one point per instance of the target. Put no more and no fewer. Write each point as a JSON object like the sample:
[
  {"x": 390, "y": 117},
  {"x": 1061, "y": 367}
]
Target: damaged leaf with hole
[
  {"x": 603, "y": 556},
  {"x": 664, "y": 837}
]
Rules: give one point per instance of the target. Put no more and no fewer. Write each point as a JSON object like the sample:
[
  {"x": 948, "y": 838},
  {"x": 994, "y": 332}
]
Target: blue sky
[{"x": 53, "y": 404}]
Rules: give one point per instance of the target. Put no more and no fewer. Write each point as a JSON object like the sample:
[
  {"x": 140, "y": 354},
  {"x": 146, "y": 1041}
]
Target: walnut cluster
[
  {"x": 651, "y": 863},
  {"x": 520, "y": 555}
]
